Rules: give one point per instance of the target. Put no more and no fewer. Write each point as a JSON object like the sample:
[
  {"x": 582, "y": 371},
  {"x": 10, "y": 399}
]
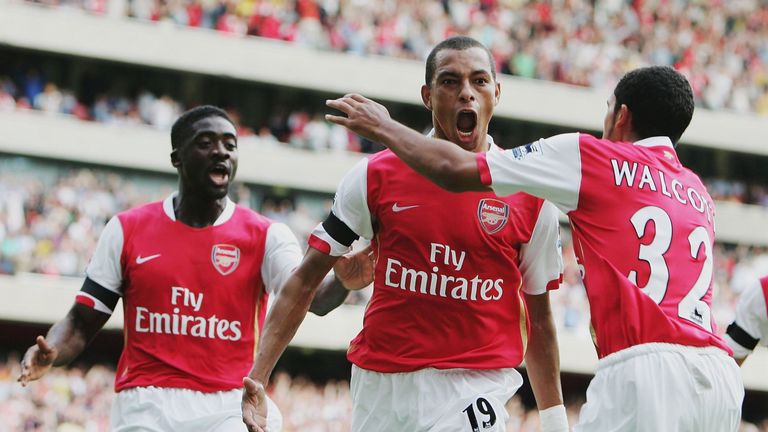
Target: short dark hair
[
  {"x": 182, "y": 127},
  {"x": 455, "y": 43},
  {"x": 660, "y": 99}
]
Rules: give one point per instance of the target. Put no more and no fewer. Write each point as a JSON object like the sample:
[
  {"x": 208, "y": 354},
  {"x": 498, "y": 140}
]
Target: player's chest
[
  {"x": 421, "y": 210},
  {"x": 197, "y": 260}
]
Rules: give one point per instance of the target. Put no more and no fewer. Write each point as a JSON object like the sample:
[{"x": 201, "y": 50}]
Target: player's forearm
[
  {"x": 542, "y": 359},
  {"x": 283, "y": 320},
  {"x": 543, "y": 366},
  {"x": 442, "y": 162},
  {"x": 72, "y": 334},
  {"x": 330, "y": 295}
]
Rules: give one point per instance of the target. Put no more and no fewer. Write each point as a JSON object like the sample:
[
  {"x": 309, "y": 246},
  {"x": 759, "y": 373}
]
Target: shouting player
[
  {"x": 751, "y": 323},
  {"x": 643, "y": 231},
  {"x": 447, "y": 323},
  {"x": 194, "y": 272}
]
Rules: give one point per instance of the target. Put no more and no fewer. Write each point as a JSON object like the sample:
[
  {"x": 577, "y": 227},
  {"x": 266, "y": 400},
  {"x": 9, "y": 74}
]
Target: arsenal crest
[
  {"x": 225, "y": 258},
  {"x": 493, "y": 214}
]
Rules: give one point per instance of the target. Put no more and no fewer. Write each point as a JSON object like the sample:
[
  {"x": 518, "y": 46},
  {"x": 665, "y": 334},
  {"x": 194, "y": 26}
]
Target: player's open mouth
[
  {"x": 466, "y": 123},
  {"x": 219, "y": 175}
]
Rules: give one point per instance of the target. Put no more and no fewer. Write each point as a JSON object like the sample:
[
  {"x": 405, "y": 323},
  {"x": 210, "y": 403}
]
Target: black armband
[
  {"x": 107, "y": 297},
  {"x": 339, "y": 231},
  {"x": 741, "y": 337}
]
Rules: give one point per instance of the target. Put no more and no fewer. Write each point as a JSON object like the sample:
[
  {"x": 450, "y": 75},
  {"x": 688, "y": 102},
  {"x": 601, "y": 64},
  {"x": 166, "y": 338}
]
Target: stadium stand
[
  {"x": 719, "y": 45},
  {"x": 73, "y": 155}
]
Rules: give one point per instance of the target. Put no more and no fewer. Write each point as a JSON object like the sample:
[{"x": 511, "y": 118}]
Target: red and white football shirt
[
  {"x": 449, "y": 267},
  {"x": 751, "y": 323},
  {"x": 194, "y": 298},
  {"x": 643, "y": 232}
]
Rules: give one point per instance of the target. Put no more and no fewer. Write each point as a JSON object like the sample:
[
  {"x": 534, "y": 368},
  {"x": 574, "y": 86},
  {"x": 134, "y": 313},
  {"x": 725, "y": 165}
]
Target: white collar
[
  {"x": 655, "y": 141},
  {"x": 226, "y": 215},
  {"x": 489, "y": 139}
]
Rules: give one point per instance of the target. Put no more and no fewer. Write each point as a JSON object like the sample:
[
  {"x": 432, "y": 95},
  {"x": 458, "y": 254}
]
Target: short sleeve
[
  {"x": 549, "y": 168},
  {"x": 282, "y": 255},
  {"x": 541, "y": 259},
  {"x": 105, "y": 268},
  {"x": 350, "y": 217},
  {"x": 751, "y": 321}
]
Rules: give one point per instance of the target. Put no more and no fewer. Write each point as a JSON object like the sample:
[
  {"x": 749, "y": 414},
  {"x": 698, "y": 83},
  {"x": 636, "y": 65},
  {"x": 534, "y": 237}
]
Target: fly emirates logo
[
  {"x": 179, "y": 323},
  {"x": 437, "y": 282}
]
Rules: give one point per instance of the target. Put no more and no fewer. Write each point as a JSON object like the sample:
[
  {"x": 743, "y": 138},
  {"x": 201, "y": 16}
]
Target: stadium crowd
[
  {"x": 295, "y": 128},
  {"x": 79, "y": 400},
  {"x": 720, "y": 45},
  {"x": 737, "y": 191}
]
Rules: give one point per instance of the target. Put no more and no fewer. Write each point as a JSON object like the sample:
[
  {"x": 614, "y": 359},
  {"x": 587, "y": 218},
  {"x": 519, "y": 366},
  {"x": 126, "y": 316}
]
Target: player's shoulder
[
  {"x": 384, "y": 160},
  {"x": 142, "y": 213},
  {"x": 753, "y": 299},
  {"x": 594, "y": 145},
  {"x": 762, "y": 288},
  {"x": 251, "y": 217}
]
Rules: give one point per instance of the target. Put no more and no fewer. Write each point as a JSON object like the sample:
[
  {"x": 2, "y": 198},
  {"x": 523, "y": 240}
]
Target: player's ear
[
  {"x": 175, "y": 160},
  {"x": 426, "y": 94},
  {"x": 497, "y": 96},
  {"x": 623, "y": 118}
]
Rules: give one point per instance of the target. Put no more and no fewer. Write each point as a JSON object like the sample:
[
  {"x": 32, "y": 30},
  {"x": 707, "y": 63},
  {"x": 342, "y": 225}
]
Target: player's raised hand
[
  {"x": 355, "y": 271},
  {"x": 363, "y": 116},
  {"x": 254, "y": 406},
  {"x": 37, "y": 361}
]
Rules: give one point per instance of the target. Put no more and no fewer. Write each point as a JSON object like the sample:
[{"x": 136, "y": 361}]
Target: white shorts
[
  {"x": 172, "y": 409},
  {"x": 432, "y": 400},
  {"x": 664, "y": 387}
]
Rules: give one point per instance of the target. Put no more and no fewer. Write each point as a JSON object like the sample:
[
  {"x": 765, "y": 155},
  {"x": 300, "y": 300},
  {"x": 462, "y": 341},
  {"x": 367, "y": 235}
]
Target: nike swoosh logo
[
  {"x": 141, "y": 260},
  {"x": 398, "y": 209}
]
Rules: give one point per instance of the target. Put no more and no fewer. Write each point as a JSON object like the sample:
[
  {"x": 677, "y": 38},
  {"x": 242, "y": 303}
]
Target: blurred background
[{"x": 89, "y": 89}]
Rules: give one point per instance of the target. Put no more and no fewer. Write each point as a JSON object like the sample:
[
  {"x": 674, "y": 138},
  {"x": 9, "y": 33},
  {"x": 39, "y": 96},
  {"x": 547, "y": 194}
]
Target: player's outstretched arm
[
  {"x": 442, "y": 162},
  {"x": 351, "y": 272},
  {"x": 287, "y": 313},
  {"x": 65, "y": 340},
  {"x": 542, "y": 361}
]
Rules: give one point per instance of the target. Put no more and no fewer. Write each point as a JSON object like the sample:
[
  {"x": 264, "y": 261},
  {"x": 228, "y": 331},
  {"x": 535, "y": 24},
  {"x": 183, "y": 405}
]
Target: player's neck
[
  {"x": 197, "y": 211},
  {"x": 624, "y": 135},
  {"x": 481, "y": 146}
]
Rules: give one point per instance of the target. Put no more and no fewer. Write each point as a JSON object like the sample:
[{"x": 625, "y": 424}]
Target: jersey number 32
[{"x": 691, "y": 307}]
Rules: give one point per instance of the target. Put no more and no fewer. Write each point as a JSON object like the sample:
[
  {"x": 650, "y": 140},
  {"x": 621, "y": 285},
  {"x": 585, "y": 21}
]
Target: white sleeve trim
[
  {"x": 549, "y": 168},
  {"x": 541, "y": 259},
  {"x": 327, "y": 243},
  {"x": 105, "y": 268},
  {"x": 350, "y": 204},
  {"x": 739, "y": 352},
  {"x": 282, "y": 255}
]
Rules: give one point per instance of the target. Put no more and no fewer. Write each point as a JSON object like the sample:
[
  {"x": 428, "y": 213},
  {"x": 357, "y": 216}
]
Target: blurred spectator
[{"x": 50, "y": 100}]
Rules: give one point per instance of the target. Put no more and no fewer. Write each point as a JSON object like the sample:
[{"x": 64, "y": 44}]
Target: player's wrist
[
  {"x": 390, "y": 131},
  {"x": 339, "y": 281},
  {"x": 554, "y": 419}
]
